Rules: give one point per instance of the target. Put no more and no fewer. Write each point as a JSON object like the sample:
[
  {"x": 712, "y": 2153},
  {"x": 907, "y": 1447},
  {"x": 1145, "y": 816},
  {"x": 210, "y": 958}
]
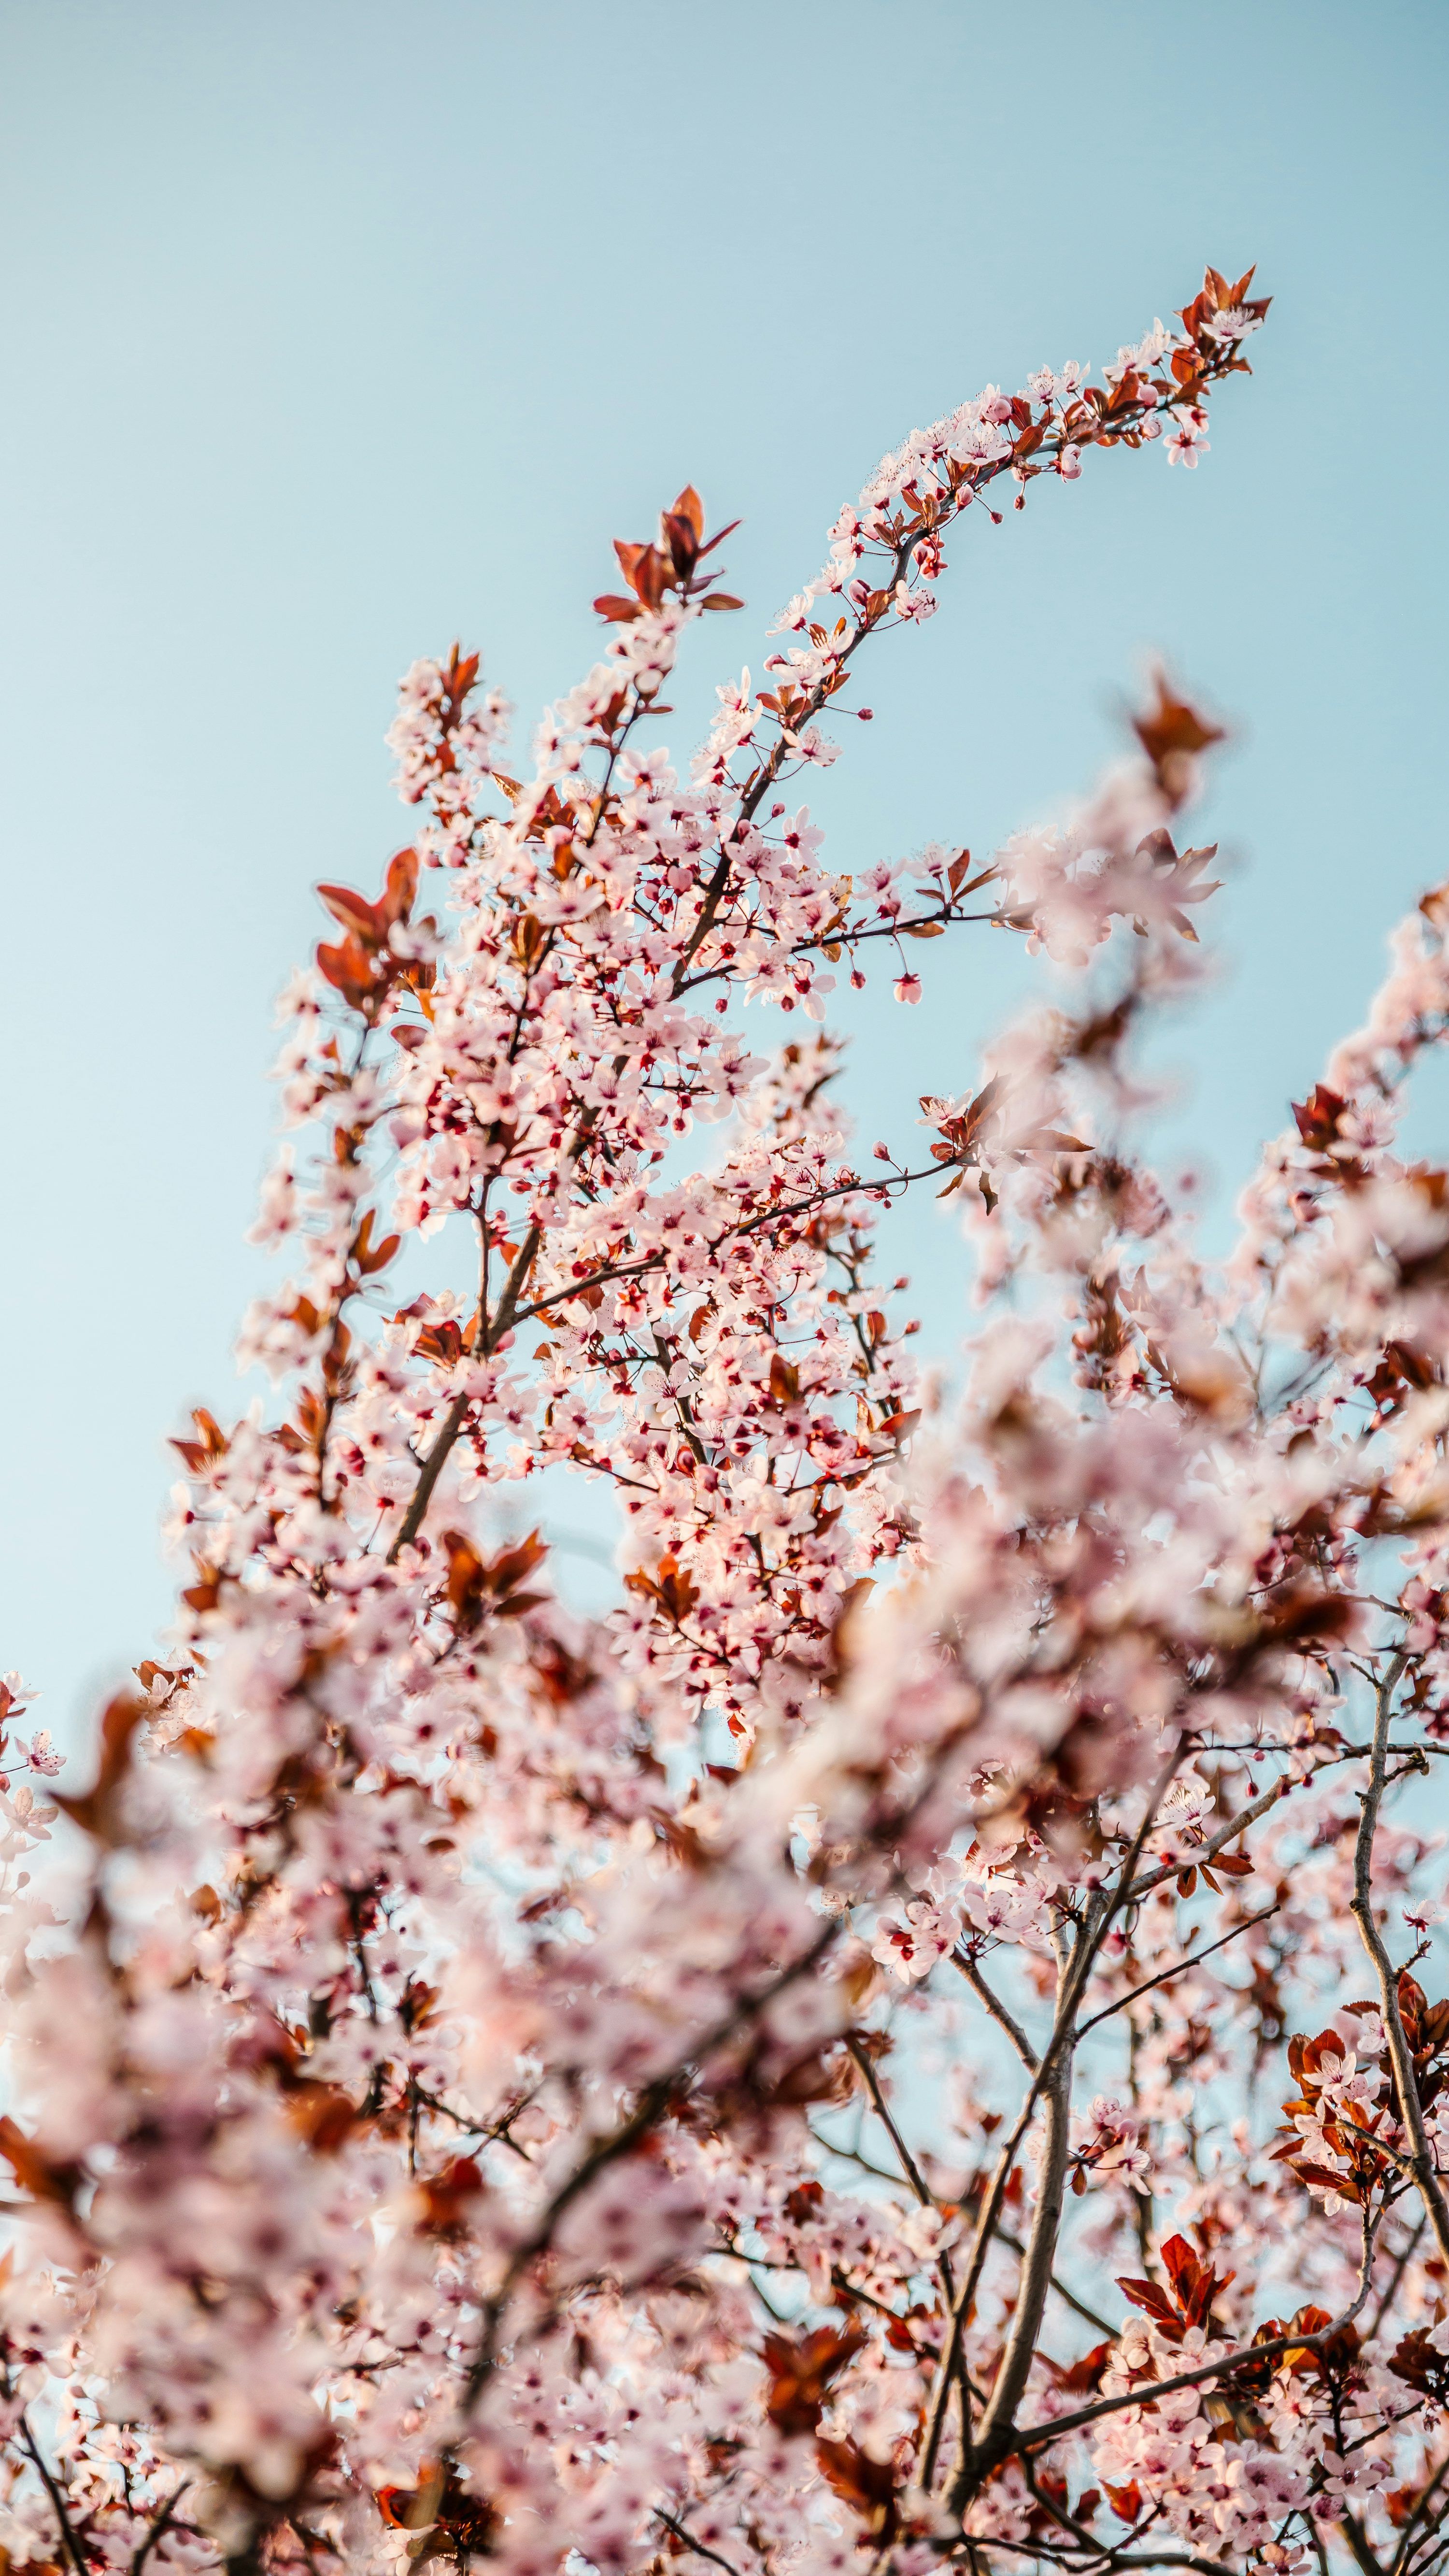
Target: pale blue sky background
[{"x": 332, "y": 331}]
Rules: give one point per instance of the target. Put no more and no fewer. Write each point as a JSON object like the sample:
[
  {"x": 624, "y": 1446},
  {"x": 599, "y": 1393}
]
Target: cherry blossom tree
[{"x": 908, "y": 2041}]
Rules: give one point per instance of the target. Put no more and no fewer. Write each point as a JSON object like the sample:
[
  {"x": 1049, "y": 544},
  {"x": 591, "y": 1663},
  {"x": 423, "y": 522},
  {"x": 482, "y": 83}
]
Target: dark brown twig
[
  {"x": 1406, "y": 2087},
  {"x": 1193, "y": 1960},
  {"x": 73, "y": 2549}
]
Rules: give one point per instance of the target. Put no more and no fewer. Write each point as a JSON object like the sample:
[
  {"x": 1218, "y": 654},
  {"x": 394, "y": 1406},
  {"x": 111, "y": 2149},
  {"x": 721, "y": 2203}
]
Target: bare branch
[
  {"x": 1194, "y": 1960},
  {"x": 160, "y": 2522},
  {"x": 73, "y": 2549},
  {"x": 970, "y": 1968},
  {"x": 1400, "y": 2058}
]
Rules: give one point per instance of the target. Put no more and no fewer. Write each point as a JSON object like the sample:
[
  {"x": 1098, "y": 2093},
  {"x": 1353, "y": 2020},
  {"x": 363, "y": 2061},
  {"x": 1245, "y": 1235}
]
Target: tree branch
[
  {"x": 682, "y": 2533},
  {"x": 159, "y": 2522},
  {"x": 1194, "y": 1960},
  {"x": 1226, "y": 1833},
  {"x": 1036, "y": 2436},
  {"x": 971, "y": 1971},
  {"x": 1054, "y": 2077},
  {"x": 73, "y": 2549},
  {"x": 1400, "y": 2057},
  {"x": 652, "y": 2102},
  {"x": 490, "y": 1333}
]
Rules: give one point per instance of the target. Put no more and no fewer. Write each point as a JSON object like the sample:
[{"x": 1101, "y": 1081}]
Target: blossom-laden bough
[{"x": 783, "y": 2075}]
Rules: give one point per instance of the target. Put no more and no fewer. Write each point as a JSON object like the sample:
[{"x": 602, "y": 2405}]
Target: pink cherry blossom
[{"x": 912, "y": 2036}]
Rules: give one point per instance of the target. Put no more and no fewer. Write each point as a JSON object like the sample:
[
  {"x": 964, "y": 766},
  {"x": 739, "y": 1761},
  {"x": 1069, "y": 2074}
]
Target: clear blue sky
[{"x": 334, "y": 330}]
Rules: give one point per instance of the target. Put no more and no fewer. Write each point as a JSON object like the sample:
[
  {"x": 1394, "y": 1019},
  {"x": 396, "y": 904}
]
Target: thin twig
[
  {"x": 1055, "y": 2078},
  {"x": 1193, "y": 1960},
  {"x": 73, "y": 2549},
  {"x": 652, "y": 2103},
  {"x": 1407, "y": 2543},
  {"x": 1395, "y": 2277},
  {"x": 1227, "y": 1833},
  {"x": 159, "y": 2522},
  {"x": 909, "y": 2166},
  {"x": 1400, "y": 2057},
  {"x": 681, "y": 2533},
  {"x": 971, "y": 1971},
  {"x": 1037, "y": 2435},
  {"x": 882, "y": 2109}
]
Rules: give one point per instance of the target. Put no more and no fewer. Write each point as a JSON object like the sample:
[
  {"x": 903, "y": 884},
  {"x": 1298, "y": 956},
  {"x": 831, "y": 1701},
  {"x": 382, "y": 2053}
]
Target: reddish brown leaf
[
  {"x": 97, "y": 1812},
  {"x": 801, "y": 2370},
  {"x": 868, "y": 2486}
]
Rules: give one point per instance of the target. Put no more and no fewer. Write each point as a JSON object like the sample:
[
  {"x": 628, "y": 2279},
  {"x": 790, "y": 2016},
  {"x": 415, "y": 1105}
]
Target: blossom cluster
[{"x": 784, "y": 2073}]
